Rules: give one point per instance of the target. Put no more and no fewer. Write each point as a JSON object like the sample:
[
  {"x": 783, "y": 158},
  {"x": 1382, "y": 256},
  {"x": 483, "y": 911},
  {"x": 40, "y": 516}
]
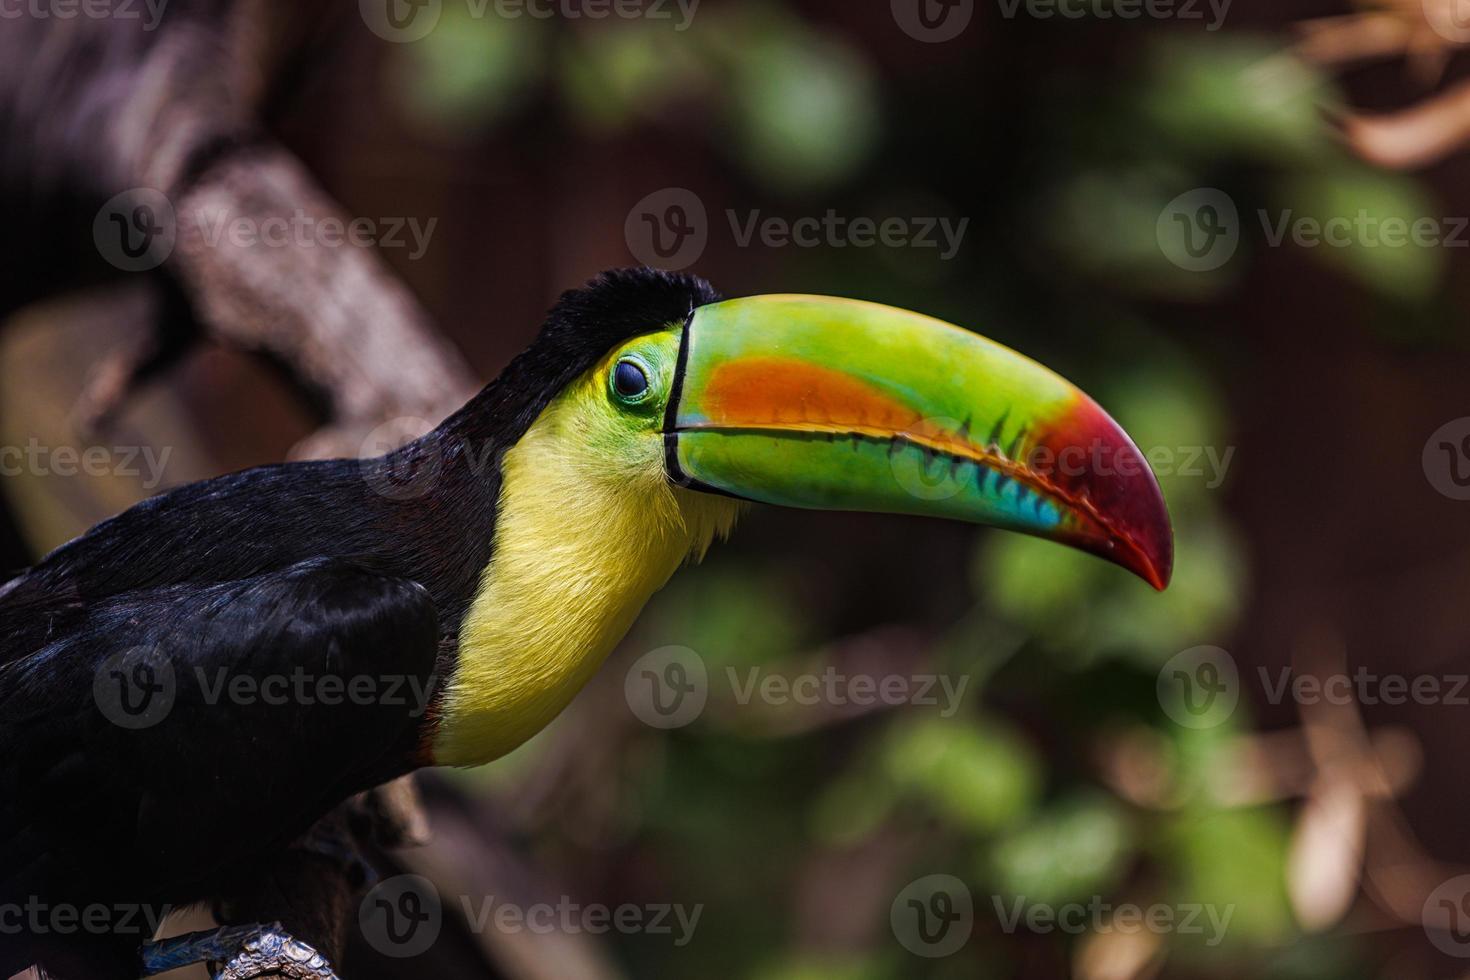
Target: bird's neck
[{"x": 578, "y": 551}]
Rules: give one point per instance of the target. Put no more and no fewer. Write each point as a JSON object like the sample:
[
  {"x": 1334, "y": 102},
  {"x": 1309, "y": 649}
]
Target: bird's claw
[
  {"x": 240, "y": 953},
  {"x": 272, "y": 953}
]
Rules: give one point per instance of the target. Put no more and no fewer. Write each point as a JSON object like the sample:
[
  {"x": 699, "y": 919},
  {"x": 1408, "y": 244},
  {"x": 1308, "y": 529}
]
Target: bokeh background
[{"x": 1323, "y": 543}]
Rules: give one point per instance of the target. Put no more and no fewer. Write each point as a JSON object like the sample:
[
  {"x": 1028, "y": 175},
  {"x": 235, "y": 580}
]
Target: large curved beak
[{"x": 835, "y": 404}]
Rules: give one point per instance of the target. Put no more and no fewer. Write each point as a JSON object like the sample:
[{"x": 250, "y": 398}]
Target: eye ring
[{"x": 629, "y": 380}]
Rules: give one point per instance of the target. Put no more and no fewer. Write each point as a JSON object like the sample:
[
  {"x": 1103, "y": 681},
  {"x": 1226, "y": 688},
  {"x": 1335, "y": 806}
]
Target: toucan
[{"x": 491, "y": 565}]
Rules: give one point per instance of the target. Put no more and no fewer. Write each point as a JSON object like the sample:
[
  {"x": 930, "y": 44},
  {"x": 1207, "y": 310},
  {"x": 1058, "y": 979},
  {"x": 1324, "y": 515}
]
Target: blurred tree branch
[
  {"x": 1427, "y": 34},
  {"x": 94, "y": 106}
]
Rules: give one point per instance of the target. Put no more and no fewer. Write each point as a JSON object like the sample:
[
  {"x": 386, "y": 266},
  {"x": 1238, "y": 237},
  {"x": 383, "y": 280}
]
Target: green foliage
[
  {"x": 1067, "y": 852},
  {"x": 469, "y": 71},
  {"x": 804, "y": 108},
  {"x": 1233, "y": 859},
  {"x": 1219, "y": 97},
  {"x": 978, "y": 776},
  {"x": 1366, "y": 220}
]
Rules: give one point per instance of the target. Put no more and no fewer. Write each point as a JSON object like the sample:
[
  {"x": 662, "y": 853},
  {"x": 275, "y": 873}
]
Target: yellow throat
[{"x": 584, "y": 535}]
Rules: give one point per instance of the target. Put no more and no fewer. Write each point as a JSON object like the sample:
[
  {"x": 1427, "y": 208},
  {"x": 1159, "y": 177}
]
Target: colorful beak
[{"x": 835, "y": 404}]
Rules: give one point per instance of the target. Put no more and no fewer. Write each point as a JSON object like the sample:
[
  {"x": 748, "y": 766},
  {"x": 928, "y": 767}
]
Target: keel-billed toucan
[{"x": 543, "y": 516}]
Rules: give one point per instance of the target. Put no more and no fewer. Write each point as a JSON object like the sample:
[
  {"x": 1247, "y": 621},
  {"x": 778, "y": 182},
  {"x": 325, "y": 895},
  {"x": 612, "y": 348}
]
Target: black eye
[{"x": 629, "y": 379}]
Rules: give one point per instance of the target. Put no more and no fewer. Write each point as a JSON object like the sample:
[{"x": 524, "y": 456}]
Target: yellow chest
[{"x": 579, "y": 549}]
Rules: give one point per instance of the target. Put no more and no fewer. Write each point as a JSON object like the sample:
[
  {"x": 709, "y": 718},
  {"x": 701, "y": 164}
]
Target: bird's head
[
  {"x": 647, "y": 409},
  {"x": 835, "y": 404}
]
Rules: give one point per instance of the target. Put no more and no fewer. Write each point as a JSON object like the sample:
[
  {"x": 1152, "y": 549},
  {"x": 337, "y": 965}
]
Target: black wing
[{"x": 171, "y": 737}]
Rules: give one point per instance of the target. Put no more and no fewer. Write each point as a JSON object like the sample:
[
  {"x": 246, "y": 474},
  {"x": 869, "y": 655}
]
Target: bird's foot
[{"x": 239, "y": 953}]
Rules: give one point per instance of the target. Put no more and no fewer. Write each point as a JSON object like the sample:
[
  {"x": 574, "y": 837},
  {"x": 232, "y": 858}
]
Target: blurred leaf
[
  {"x": 1234, "y": 860},
  {"x": 1334, "y": 957},
  {"x": 1224, "y": 96},
  {"x": 809, "y": 966},
  {"x": 982, "y": 776},
  {"x": 1104, "y": 223},
  {"x": 469, "y": 71},
  {"x": 731, "y": 615},
  {"x": 1067, "y": 852},
  {"x": 1359, "y": 201},
  {"x": 805, "y": 106},
  {"x": 615, "y": 74},
  {"x": 851, "y": 808}
]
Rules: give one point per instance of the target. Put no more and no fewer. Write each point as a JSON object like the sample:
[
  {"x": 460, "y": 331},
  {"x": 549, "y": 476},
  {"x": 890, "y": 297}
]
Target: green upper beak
[{"x": 817, "y": 402}]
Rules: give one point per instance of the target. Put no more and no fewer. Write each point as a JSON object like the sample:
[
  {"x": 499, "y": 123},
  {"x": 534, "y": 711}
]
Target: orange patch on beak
[
  {"x": 789, "y": 395},
  {"x": 781, "y": 393}
]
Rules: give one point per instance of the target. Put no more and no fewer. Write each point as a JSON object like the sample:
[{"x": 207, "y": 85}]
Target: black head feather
[{"x": 581, "y": 328}]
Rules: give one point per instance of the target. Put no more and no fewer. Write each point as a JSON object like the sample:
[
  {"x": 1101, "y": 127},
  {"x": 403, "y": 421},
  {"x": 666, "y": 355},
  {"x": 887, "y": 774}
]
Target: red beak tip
[{"x": 1156, "y": 557}]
